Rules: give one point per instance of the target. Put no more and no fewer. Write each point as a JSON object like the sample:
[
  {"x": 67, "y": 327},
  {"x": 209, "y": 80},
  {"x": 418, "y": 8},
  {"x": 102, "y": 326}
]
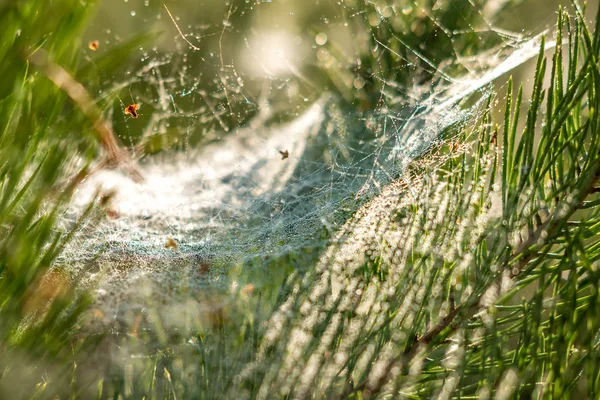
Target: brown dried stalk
[{"x": 115, "y": 154}]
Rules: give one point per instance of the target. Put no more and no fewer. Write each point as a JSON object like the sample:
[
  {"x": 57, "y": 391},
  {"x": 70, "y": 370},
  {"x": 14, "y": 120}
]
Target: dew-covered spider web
[{"x": 263, "y": 130}]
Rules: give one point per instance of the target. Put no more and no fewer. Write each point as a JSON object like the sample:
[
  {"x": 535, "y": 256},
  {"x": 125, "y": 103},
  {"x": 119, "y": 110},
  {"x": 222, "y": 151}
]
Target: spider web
[{"x": 225, "y": 116}]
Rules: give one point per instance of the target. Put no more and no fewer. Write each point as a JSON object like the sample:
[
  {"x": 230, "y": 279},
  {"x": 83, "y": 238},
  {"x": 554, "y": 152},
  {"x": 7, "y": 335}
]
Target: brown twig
[{"x": 115, "y": 154}]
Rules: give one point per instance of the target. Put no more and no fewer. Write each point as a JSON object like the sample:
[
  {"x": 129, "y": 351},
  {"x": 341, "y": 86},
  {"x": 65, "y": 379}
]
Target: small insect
[
  {"x": 494, "y": 139},
  {"x": 284, "y": 154},
  {"x": 171, "y": 244},
  {"x": 454, "y": 146},
  {"x": 94, "y": 45},
  {"x": 111, "y": 213},
  {"x": 132, "y": 110}
]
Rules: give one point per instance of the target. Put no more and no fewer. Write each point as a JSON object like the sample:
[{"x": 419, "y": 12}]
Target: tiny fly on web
[{"x": 132, "y": 110}]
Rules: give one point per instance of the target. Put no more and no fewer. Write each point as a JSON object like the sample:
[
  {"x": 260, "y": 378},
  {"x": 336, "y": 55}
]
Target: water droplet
[
  {"x": 374, "y": 19},
  {"x": 321, "y": 38},
  {"x": 359, "y": 83}
]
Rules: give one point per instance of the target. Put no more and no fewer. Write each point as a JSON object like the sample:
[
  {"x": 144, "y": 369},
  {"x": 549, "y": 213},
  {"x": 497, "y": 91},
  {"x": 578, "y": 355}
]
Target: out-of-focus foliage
[{"x": 47, "y": 145}]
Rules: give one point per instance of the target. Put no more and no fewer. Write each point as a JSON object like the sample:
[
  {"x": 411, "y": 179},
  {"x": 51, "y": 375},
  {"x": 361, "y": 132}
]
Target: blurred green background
[{"x": 273, "y": 58}]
